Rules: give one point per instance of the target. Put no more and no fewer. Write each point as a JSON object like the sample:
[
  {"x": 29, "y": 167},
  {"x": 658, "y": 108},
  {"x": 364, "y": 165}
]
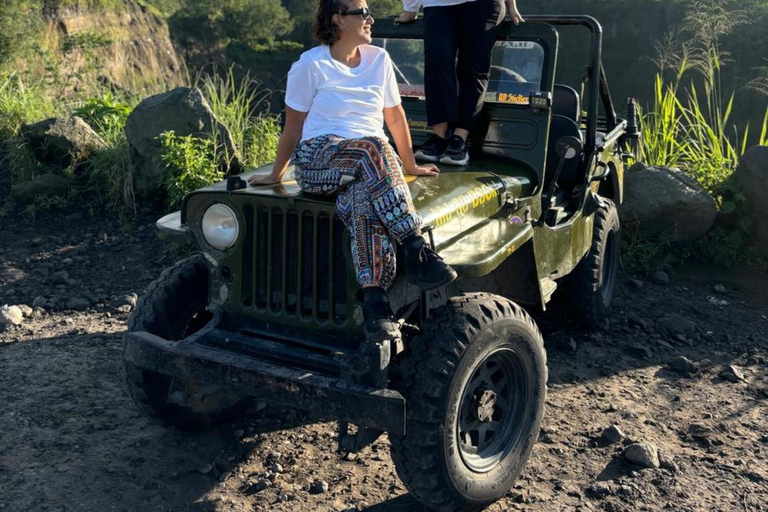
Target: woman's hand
[
  {"x": 423, "y": 170},
  {"x": 262, "y": 179},
  {"x": 406, "y": 17},
  {"x": 514, "y": 14}
]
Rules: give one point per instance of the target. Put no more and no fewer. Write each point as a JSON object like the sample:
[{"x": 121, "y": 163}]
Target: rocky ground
[{"x": 676, "y": 381}]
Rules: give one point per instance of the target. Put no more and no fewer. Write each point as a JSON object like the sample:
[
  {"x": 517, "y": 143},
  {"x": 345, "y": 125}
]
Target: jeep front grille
[{"x": 294, "y": 263}]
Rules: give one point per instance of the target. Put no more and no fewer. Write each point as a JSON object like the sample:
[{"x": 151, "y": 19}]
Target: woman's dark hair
[{"x": 324, "y": 29}]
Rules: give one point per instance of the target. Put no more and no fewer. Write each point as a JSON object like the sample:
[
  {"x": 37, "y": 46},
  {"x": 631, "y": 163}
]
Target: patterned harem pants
[{"x": 373, "y": 198}]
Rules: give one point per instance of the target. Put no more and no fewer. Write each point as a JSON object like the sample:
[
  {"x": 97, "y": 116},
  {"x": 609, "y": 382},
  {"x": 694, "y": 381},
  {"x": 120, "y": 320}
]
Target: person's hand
[
  {"x": 406, "y": 17},
  {"x": 262, "y": 179},
  {"x": 423, "y": 170},
  {"x": 514, "y": 14}
]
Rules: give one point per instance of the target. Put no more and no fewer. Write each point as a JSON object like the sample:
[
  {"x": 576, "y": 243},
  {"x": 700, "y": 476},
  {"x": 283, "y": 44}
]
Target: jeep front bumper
[{"x": 201, "y": 358}]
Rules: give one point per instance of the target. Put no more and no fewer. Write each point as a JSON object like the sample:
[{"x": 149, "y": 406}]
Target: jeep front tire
[
  {"x": 174, "y": 307},
  {"x": 475, "y": 386}
]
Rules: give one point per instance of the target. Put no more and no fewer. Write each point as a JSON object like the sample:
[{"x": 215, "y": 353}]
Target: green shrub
[
  {"x": 104, "y": 114},
  {"x": 192, "y": 164}
]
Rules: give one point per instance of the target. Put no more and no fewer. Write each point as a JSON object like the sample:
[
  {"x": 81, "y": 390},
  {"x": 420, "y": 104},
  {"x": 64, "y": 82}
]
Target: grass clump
[
  {"x": 689, "y": 126},
  {"x": 242, "y": 106},
  {"x": 21, "y": 104}
]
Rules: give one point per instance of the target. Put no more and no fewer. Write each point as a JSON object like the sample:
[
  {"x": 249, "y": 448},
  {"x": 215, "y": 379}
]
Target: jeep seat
[
  {"x": 559, "y": 127},
  {"x": 565, "y": 102}
]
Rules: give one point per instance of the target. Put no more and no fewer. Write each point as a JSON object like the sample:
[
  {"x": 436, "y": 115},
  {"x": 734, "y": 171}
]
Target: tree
[{"x": 254, "y": 22}]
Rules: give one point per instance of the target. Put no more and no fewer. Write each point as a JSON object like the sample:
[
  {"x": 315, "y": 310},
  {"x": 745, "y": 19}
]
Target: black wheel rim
[
  {"x": 608, "y": 279},
  {"x": 492, "y": 410}
]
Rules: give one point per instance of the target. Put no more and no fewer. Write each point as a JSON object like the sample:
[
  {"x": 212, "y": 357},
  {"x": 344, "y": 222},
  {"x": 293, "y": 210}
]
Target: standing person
[
  {"x": 338, "y": 97},
  {"x": 454, "y": 89}
]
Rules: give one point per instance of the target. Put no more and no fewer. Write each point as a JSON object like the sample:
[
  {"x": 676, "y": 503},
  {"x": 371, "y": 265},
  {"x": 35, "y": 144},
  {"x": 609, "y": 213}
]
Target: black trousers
[{"x": 458, "y": 40}]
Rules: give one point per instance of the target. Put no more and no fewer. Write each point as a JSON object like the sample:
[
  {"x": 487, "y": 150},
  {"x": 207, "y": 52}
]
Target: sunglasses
[{"x": 364, "y": 13}]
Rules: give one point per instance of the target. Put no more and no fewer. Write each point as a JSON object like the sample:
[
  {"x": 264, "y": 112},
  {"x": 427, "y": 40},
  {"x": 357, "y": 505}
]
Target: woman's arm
[
  {"x": 398, "y": 127},
  {"x": 514, "y": 14},
  {"x": 294, "y": 123},
  {"x": 410, "y": 11}
]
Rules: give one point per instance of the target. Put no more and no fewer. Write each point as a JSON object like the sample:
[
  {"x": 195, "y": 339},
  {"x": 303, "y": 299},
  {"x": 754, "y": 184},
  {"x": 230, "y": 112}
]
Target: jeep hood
[{"x": 454, "y": 201}]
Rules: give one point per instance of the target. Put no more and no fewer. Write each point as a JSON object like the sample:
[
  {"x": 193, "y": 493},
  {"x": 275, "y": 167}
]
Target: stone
[
  {"x": 276, "y": 468},
  {"x": 639, "y": 351},
  {"x": 318, "y": 487},
  {"x": 676, "y": 324},
  {"x": 60, "y": 277},
  {"x": 125, "y": 300},
  {"x": 62, "y": 141},
  {"x": 45, "y": 185},
  {"x": 78, "y": 303},
  {"x": 733, "y": 374},
  {"x": 599, "y": 490},
  {"x": 682, "y": 364},
  {"x": 752, "y": 176},
  {"x": 257, "y": 487},
  {"x": 642, "y": 454},
  {"x": 661, "y": 277},
  {"x": 204, "y": 469},
  {"x": 568, "y": 345},
  {"x": 665, "y": 201},
  {"x": 11, "y": 315},
  {"x": 183, "y": 111},
  {"x": 719, "y": 288},
  {"x": 612, "y": 435},
  {"x": 25, "y": 310}
]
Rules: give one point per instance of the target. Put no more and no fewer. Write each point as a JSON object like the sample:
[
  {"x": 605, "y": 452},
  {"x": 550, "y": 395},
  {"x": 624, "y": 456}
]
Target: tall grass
[
  {"x": 242, "y": 106},
  {"x": 688, "y": 126},
  {"x": 21, "y": 103}
]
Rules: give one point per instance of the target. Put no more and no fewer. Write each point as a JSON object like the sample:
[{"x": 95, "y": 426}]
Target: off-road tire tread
[
  {"x": 582, "y": 286},
  {"x": 144, "y": 318},
  {"x": 427, "y": 375}
]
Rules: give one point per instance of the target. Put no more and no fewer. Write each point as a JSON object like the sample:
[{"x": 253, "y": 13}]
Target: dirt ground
[{"x": 71, "y": 440}]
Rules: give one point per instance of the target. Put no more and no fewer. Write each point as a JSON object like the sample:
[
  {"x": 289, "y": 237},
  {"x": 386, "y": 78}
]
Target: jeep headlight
[{"x": 220, "y": 226}]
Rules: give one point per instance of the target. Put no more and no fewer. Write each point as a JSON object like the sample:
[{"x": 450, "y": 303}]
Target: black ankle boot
[
  {"x": 423, "y": 266},
  {"x": 377, "y": 314}
]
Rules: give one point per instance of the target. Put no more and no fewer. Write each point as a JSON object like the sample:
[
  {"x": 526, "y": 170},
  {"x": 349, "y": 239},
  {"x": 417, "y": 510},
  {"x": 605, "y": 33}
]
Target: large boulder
[
  {"x": 752, "y": 177},
  {"x": 62, "y": 141},
  {"x": 183, "y": 111},
  {"x": 666, "y": 201}
]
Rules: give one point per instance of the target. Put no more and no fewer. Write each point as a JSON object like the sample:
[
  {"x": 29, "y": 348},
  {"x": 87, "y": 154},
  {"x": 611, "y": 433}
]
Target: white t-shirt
[
  {"x": 347, "y": 102},
  {"x": 413, "y": 5}
]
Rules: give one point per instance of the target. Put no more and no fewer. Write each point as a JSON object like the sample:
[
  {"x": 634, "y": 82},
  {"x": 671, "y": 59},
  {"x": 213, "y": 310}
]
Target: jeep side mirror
[{"x": 568, "y": 147}]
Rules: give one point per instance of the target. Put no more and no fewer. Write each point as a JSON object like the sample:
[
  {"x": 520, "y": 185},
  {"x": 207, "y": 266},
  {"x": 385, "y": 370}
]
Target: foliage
[
  {"x": 689, "y": 126},
  {"x": 254, "y": 22},
  {"x": 18, "y": 29},
  {"x": 111, "y": 169},
  {"x": 242, "y": 107},
  {"x": 21, "y": 104},
  {"x": 104, "y": 114},
  {"x": 192, "y": 164},
  {"x": 688, "y": 129}
]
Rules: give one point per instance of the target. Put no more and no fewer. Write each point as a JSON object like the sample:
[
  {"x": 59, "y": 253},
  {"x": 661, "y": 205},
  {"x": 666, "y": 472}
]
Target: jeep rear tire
[
  {"x": 591, "y": 285},
  {"x": 475, "y": 386},
  {"x": 174, "y": 307}
]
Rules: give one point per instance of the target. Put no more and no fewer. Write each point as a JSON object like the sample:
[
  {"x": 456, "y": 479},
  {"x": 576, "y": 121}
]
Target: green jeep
[{"x": 268, "y": 306}]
